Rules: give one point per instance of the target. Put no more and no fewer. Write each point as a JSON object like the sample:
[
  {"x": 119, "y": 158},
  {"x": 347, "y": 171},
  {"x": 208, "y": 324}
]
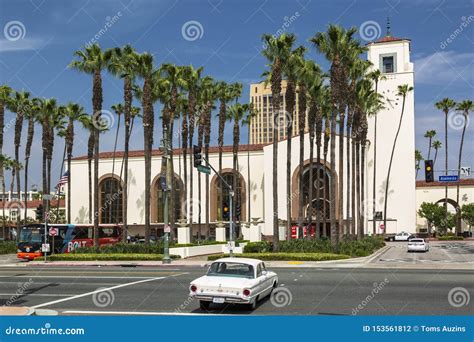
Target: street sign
[
  {"x": 167, "y": 228},
  {"x": 466, "y": 171},
  {"x": 204, "y": 169},
  {"x": 451, "y": 178},
  {"x": 45, "y": 247},
  {"x": 53, "y": 232}
]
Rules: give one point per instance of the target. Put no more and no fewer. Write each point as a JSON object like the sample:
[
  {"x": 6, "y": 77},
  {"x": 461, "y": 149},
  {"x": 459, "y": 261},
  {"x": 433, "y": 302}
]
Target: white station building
[{"x": 391, "y": 55}]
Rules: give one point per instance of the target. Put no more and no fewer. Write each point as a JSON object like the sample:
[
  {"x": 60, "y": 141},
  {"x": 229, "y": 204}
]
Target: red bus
[{"x": 69, "y": 237}]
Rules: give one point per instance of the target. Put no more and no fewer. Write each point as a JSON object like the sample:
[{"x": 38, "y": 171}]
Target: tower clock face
[{"x": 391, "y": 97}]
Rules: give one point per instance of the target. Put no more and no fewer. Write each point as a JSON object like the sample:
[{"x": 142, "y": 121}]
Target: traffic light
[
  {"x": 39, "y": 213},
  {"x": 197, "y": 156},
  {"x": 429, "y": 174}
]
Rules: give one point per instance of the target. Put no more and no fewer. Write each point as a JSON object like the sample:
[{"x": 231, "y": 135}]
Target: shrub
[
  {"x": 106, "y": 257},
  {"x": 360, "y": 248},
  {"x": 285, "y": 256},
  {"x": 450, "y": 238},
  {"x": 121, "y": 248},
  {"x": 258, "y": 247},
  {"x": 7, "y": 247}
]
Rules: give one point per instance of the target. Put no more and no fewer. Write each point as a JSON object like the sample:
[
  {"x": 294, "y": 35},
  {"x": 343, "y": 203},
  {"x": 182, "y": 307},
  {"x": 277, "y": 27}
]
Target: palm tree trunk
[
  {"x": 348, "y": 179},
  {"x": 90, "y": 155},
  {"x": 97, "y": 105},
  {"x": 127, "y": 90},
  {"x": 318, "y": 195},
  {"x": 374, "y": 180},
  {"x": 115, "y": 220},
  {"x": 309, "y": 213},
  {"x": 333, "y": 189},
  {"x": 458, "y": 208},
  {"x": 354, "y": 177},
  {"x": 290, "y": 103},
  {"x": 184, "y": 147},
  {"x": 276, "y": 90},
  {"x": 390, "y": 166},
  {"x": 29, "y": 143},
  {"x": 446, "y": 171},
  {"x": 362, "y": 190},
  {"x": 358, "y": 192},
  {"x": 340, "y": 202}
]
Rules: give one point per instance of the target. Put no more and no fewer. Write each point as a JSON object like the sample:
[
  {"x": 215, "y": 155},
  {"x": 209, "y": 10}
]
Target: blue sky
[{"x": 228, "y": 46}]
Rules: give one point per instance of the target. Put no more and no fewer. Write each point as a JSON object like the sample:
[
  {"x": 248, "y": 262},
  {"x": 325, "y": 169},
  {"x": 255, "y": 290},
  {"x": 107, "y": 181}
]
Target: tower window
[{"x": 388, "y": 63}]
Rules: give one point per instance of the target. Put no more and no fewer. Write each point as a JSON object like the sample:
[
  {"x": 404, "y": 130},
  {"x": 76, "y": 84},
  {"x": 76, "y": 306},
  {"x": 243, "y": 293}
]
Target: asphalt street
[{"x": 303, "y": 291}]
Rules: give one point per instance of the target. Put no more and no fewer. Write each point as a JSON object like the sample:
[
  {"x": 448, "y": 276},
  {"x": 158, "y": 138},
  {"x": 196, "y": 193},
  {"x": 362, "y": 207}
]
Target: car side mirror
[{"x": 264, "y": 273}]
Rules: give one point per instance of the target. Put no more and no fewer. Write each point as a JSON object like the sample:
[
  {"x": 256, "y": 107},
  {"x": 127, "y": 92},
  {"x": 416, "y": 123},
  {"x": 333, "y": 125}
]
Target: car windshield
[
  {"x": 31, "y": 235},
  {"x": 231, "y": 269}
]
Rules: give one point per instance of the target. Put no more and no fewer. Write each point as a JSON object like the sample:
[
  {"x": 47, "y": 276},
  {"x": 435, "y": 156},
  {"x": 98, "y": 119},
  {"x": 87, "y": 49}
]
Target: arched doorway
[
  {"x": 317, "y": 207},
  {"x": 157, "y": 199},
  {"x": 220, "y": 210},
  {"x": 110, "y": 200}
]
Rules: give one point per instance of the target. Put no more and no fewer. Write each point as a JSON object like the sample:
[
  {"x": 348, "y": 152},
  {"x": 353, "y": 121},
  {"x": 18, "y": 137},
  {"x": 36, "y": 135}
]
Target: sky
[{"x": 40, "y": 36}]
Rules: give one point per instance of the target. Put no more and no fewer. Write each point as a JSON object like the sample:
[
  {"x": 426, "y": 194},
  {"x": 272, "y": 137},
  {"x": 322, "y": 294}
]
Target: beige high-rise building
[{"x": 261, "y": 127}]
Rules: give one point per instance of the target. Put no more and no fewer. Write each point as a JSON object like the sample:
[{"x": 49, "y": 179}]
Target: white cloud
[
  {"x": 445, "y": 67},
  {"x": 20, "y": 45}
]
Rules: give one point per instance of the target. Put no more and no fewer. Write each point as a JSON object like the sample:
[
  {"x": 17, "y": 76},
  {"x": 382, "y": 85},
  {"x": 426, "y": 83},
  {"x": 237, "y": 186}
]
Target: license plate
[{"x": 218, "y": 300}]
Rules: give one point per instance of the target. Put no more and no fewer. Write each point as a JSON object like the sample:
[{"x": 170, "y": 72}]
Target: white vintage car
[{"x": 234, "y": 280}]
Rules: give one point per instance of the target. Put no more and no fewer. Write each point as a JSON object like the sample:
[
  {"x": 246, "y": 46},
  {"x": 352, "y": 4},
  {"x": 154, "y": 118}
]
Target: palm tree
[
  {"x": 436, "y": 145},
  {"x": 290, "y": 69},
  {"x": 193, "y": 79},
  {"x": 403, "y": 91},
  {"x": 338, "y": 46},
  {"x": 150, "y": 76},
  {"x": 46, "y": 110},
  {"x": 123, "y": 63},
  {"x": 92, "y": 60},
  {"x": 236, "y": 113},
  {"x": 465, "y": 107},
  {"x": 418, "y": 159},
  {"x": 74, "y": 113},
  {"x": 445, "y": 105},
  {"x": 430, "y": 134},
  {"x": 20, "y": 104},
  {"x": 276, "y": 52},
  {"x": 31, "y": 116},
  {"x": 376, "y": 76}
]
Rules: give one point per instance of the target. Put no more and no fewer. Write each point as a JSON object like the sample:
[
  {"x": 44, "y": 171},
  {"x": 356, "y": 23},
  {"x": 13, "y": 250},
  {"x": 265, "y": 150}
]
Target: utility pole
[{"x": 167, "y": 184}]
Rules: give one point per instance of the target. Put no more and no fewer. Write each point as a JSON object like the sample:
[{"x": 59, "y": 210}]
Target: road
[{"x": 303, "y": 291}]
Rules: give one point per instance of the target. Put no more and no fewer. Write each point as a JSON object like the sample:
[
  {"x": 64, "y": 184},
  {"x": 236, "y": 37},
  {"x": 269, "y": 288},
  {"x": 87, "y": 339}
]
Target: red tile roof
[
  {"x": 176, "y": 151},
  {"x": 387, "y": 39},
  {"x": 462, "y": 182},
  {"x": 33, "y": 204}
]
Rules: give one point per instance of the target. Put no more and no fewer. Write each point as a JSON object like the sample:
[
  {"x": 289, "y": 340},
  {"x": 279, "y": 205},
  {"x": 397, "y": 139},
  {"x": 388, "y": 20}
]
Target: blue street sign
[{"x": 448, "y": 178}]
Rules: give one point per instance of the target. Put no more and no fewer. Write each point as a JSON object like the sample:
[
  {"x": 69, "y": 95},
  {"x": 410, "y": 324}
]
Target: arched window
[
  {"x": 316, "y": 206},
  {"x": 220, "y": 209},
  {"x": 111, "y": 201},
  {"x": 158, "y": 202}
]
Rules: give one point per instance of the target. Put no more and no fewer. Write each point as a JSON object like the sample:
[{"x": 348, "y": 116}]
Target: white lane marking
[
  {"x": 37, "y": 295},
  {"x": 143, "y": 313},
  {"x": 96, "y": 291},
  {"x": 75, "y": 277}
]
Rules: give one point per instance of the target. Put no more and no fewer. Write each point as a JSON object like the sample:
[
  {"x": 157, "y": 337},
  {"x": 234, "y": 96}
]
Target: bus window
[
  {"x": 106, "y": 232},
  {"x": 82, "y": 233}
]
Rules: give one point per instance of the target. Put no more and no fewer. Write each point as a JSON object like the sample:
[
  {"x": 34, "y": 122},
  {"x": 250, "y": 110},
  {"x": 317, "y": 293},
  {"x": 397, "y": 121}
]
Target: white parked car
[
  {"x": 234, "y": 280},
  {"x": 418, "y": 245}
]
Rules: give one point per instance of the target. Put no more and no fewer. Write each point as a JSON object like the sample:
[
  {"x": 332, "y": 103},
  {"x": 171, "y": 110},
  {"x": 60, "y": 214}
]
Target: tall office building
[{"x": 261, "y": 127}]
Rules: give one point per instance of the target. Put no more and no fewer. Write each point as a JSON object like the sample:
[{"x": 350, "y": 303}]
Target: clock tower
[{"x": 391, "y": 55}]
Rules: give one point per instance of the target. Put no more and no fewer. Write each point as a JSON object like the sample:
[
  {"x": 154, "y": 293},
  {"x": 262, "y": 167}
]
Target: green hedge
[
  {"x": 123, "y": 248},
  {"x": 347, "y": 246},
  {"x": 450, "y": 238},
  {"x": 106, "y": 257},
  {"x": 7, "y": 247},
  {"x": 285, "y": 256}
]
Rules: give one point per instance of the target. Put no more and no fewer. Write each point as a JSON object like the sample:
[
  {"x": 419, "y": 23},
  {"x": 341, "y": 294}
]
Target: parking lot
[{"x": 440, "y": 252}]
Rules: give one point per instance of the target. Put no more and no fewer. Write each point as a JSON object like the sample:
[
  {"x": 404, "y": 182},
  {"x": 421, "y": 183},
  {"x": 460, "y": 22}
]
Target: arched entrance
[
  {"x": 157, "y": 199},
  {"x": 317, "y": 207}
]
